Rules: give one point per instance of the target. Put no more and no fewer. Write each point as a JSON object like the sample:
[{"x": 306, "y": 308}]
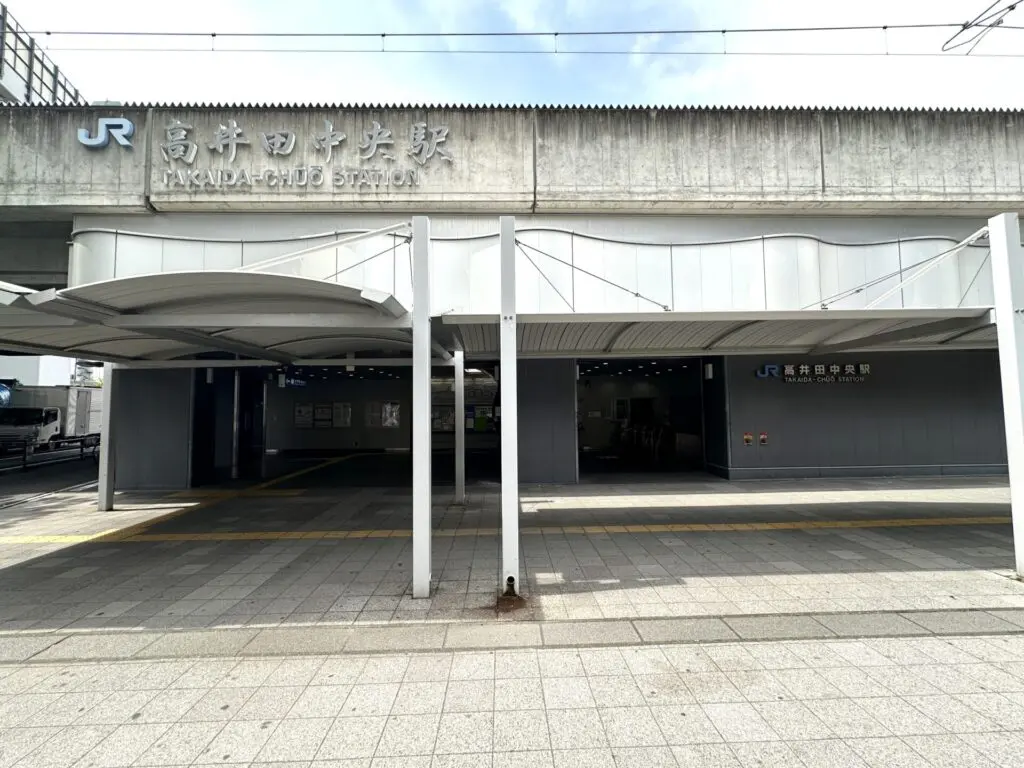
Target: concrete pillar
[
  {"x": 1008, "y": 287},
  {"x": 460, "y": 428},
  {"x": 107, "y": 471},
  {"x": 509, "y": 412},
  {"x": 421, "y": 421}
]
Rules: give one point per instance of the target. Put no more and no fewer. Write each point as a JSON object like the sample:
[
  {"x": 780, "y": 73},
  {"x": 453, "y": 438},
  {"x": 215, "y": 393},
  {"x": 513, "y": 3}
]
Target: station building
[{"x": 521, "y": 294}]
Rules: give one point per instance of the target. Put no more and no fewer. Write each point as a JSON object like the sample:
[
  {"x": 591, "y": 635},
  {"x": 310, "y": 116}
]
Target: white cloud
[
  {"x": 950, "y": 81},
  {"x": 641, "y": 77}
]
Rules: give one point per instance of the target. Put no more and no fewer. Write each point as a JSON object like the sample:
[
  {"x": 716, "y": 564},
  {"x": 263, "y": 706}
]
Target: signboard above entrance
[
  {"x": 398, "y": 161},
  {"x": 816, "y": 373}
]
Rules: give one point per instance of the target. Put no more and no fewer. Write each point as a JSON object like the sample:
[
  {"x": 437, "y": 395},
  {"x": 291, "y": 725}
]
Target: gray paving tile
[
  {"x": 387, "y": 639},
  {"x": 473, "y": 760},
  {"x": 644, "y": 757},
  {"x": 469, "y": 696},
  {"x": 409, "y": 735},
  {"x": 68, "y": 746},
  {"x": 518, "y": 694},
  {"x": 370, "y": 700},
  {"x": 589, "y": 633},
  {"x": 465, "y": 732},
  {"x": 522, "y": 730},
  {"x": 18, "y": 742},
  {"x": 961, "y": 622},
  {"x": 567, "y": 693},
  {"x": 289, "y": 641},
  {"x": 124, "y": 746},
  {"x": 219, "y": 704},
  {"x": 584, "y": 758},
  {"x": 1012, "y": 615},
  {"x": 775, "y": 754},
  {"x": 706, "y": 756},
  {"x": 777, "y": 627},
  {"x": 683, "y": 630},
  {"x": 419, "y": 698},
  {"x": 84, "y": 647},
  {"x": 870, "y": 625},
  {"x": 888, "y": 752},
  {"x": 506, "y": 635},
  {"x": 570, "y": 728},
  {"x": 739, "y": 722},
  {"x": 631, "y": 727},
  {"x": 833, "y": 753},
  {"x": 351, "y": 737},
  {"x": 237, "y": 742},
  {"x": 187, "y": 645},
  {"x": 14, "y": 648},
  {"x": 517, "y": 760},
  {"x": 948, "y": 751},
  {"x": 180, "y": 744}
]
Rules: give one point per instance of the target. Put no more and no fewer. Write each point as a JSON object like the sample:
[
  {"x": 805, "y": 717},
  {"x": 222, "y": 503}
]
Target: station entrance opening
[
  {"x": 327, "y": 426},
  {"x": 639, "y": 416}
]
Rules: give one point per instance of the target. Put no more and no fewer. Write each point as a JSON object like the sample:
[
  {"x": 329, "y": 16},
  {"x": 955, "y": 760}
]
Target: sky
[{"x": 650, "y": 70}]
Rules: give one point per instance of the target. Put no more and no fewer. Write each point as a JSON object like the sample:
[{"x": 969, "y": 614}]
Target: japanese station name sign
[
  {"x": 374, "y": 159},
  {"x": 816, "y": 373}
]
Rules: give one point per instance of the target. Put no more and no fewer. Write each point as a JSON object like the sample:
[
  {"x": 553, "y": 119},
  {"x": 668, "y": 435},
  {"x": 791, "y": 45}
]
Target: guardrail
[{"x": 25, "y": 454}]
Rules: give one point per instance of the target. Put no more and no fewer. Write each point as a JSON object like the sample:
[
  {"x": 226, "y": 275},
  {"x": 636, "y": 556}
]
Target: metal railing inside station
[{"x": 27, "y": 74}]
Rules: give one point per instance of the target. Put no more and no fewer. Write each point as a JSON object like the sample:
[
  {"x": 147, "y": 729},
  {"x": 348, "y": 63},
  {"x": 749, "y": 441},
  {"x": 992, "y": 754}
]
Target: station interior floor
[{"x": 304, "y": 550}]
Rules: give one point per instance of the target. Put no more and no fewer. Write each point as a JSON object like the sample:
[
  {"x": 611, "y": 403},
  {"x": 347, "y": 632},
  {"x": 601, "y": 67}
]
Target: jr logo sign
[
  {"x": 121, "y": 129},
  {"x": 769, "y": 372}
]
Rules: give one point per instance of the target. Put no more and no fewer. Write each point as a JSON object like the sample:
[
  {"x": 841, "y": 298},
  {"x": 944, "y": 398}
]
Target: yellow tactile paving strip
[{"x": 122, "y": 536}]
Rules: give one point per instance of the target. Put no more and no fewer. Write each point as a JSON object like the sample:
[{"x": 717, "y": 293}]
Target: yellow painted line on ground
[{"x": 402, "y": 533}]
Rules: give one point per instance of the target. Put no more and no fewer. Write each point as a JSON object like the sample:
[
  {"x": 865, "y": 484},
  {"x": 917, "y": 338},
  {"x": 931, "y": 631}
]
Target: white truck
[{"x": 41, "y": 418}]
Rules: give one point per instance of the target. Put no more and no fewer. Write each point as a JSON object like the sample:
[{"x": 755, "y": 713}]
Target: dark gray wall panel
[
  {"x": 153, "y": 422},
  {"x": 547, "y": 421},
  {"x": 917, "y": 413},
  {"x": 716, "y": 416}
]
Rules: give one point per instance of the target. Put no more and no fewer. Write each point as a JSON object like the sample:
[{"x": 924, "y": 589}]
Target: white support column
[
  {"x": 421, "y": 421},
  {"x": 509, "y": 412},
  {"x": 1008, "y": 287},
  {"x": 460, "y": 428},
  {"x": 107, "y": 471}
]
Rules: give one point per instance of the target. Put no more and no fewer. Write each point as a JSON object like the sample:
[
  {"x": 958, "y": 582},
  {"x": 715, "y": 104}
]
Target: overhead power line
[
  {"x": 527, "y": 52},
  {"x": 974, "y": 31},
  {"x": 550, "y": 33}
]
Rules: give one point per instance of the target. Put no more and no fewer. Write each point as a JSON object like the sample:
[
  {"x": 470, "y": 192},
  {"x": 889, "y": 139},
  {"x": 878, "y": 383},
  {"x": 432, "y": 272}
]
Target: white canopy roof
[{"x": 173, "y": 315}]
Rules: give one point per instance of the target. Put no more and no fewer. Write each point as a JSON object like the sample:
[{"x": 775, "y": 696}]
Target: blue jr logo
[
  {"x": 121, "y": 129},
  {"x": 769, "y": 372}
]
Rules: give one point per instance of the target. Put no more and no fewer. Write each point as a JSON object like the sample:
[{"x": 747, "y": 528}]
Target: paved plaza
[
  {"x": 882, "y": 702},
  {"x": 696, "y": 623},
  {"x": 274, "y": 556}
]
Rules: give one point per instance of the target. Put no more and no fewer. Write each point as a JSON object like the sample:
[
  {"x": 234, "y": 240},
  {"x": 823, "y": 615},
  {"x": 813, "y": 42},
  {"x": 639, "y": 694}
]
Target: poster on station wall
[
  {"x": 341, "y": 415},
  {"x": 389, "y": 415},
  {"x": 303, "y": 415},
  {"x": 323, "y": 416}
]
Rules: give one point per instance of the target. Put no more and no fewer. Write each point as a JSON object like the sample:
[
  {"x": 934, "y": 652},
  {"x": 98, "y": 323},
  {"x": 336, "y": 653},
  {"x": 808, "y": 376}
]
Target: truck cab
[{"x": 40, "y": 427}]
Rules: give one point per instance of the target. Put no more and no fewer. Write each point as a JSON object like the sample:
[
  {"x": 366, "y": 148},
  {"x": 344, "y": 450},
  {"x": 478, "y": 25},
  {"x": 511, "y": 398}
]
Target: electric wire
[
  {"x": 546, "y": 278},
  {"x": 516, "y": 33},
  {"x": 973, "y": 279},
  {"x": 605, "y": 280},
  {"x": 985, "y": 21},
  {"x": 539, "y": 52},
  {"x": 369, "y": 258},
  {"x": 823, "y": 303}
]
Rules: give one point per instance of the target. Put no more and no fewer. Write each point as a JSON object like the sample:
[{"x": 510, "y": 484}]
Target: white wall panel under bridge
[{"x": 574, "y": 264}]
